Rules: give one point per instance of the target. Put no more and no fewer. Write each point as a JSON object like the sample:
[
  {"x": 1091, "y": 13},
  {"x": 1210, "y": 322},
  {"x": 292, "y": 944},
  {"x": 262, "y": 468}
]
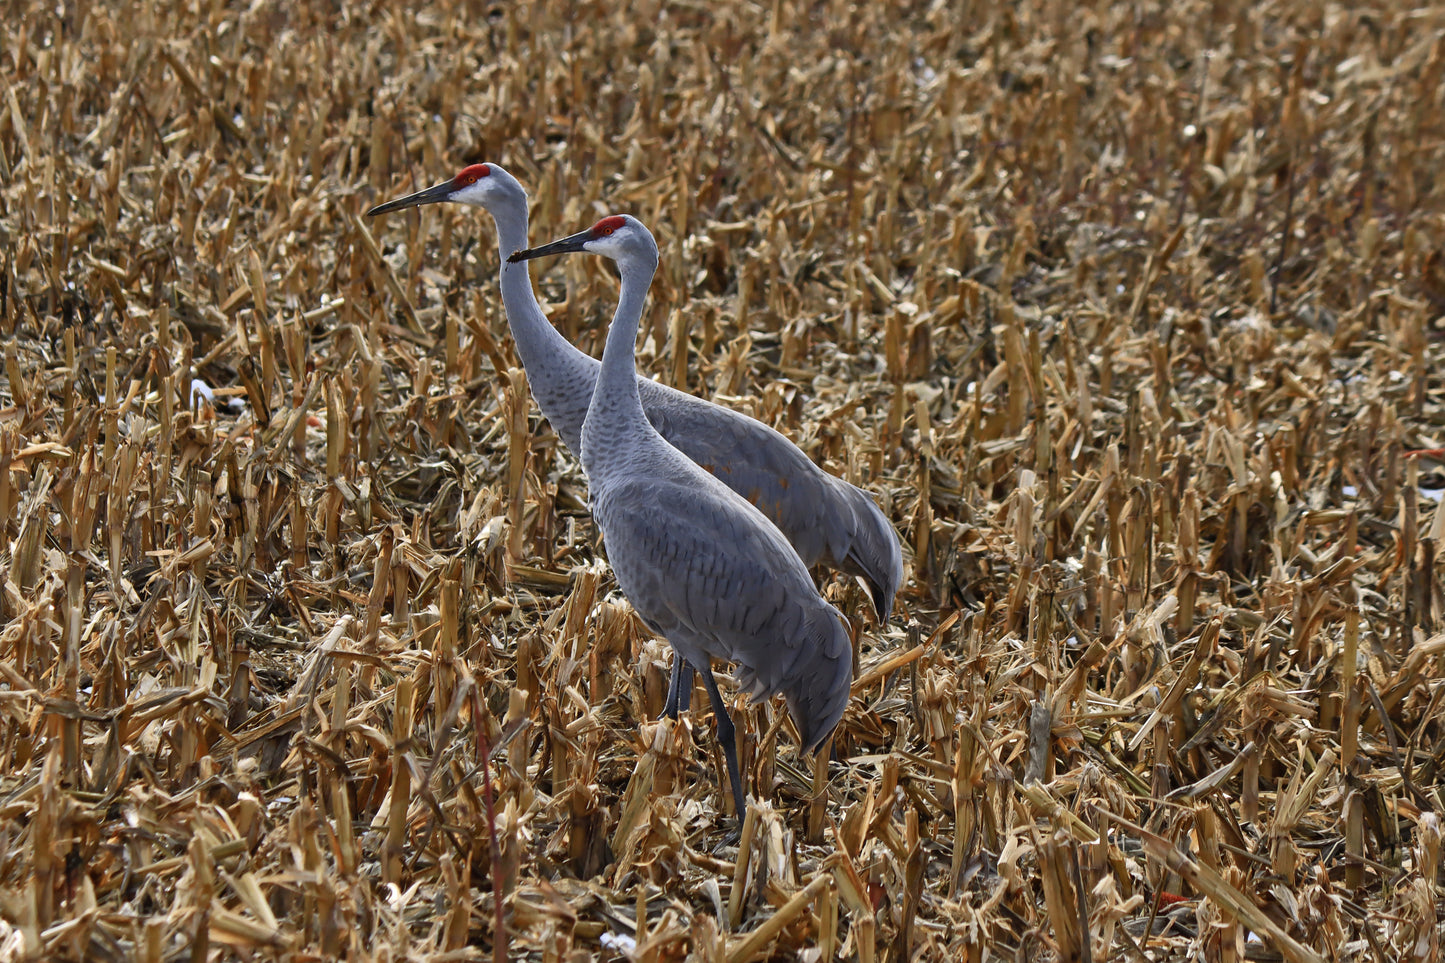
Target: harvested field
[{"x": 1129, "y": 314}]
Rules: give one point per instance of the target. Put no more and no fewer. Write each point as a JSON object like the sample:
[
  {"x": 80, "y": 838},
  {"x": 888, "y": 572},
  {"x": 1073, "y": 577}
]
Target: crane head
[
  {"x": 621, "y": 237},
  {"x": 478, "y": 185}
]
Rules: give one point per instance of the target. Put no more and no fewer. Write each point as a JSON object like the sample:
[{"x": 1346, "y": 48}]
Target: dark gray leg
[
  {"x": 726, "y": 735},
  {"x": 679, "y": 687}
]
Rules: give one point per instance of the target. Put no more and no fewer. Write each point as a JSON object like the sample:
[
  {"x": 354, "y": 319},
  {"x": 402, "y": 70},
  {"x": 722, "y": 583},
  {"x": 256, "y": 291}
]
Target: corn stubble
[{"x": 1124, "y": 312}]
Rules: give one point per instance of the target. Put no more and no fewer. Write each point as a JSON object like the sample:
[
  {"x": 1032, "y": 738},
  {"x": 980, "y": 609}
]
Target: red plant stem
[{"x": 484, "y": 750}]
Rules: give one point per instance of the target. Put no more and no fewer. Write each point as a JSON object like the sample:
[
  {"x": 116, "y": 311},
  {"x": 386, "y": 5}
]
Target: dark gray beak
[
  {"x": 432, "y": 195},
  {"x": 573, "y": 242}
]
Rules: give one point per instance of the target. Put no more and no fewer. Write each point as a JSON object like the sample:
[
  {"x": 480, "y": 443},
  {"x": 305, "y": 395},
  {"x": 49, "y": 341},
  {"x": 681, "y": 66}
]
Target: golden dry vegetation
[{"x": 1128, "y": 313}]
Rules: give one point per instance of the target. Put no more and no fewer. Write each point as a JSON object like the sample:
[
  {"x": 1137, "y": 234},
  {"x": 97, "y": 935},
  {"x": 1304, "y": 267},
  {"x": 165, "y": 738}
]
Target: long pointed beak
[
  {"x": 572, "y": 242},
  {"x": 431, "y": 195}
]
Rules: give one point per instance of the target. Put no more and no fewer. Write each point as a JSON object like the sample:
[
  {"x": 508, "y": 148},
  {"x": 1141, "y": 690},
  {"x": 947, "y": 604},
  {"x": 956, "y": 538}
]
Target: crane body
[{"x": 701, "y": 565}]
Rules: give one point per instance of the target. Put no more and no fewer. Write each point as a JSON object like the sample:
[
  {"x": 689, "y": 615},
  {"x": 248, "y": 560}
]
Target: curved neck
[
  {"x": 616, "y": 410},
  {"x": 559, "y": 374},
  {"x": 535, "y": 336}
]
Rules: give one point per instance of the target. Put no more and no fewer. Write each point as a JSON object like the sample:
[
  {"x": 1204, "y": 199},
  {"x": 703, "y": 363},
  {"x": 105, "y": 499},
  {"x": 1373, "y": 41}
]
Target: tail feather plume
[
  {"x": 874, "y": 552},
  {"x": 817, "y": 692}
]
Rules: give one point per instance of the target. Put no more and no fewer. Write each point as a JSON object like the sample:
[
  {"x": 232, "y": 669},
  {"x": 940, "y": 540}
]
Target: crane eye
[
  {"x": 471, "y": 178},
  {"x": 607, "y": 225}
]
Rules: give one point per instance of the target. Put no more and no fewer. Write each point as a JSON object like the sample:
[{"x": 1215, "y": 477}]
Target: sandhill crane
[
  {"x": 701, "y": 565},
  {"x": 826, "y": 519}
]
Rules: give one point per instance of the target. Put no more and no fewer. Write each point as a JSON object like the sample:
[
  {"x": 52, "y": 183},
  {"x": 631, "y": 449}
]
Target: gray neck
[
  {"x": 559, "y": 375},
  {"x": 616, "y": 424}
]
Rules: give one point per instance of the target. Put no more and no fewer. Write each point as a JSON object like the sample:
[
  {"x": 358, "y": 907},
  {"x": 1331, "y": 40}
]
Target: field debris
[{"x": 1125, "y": 312}]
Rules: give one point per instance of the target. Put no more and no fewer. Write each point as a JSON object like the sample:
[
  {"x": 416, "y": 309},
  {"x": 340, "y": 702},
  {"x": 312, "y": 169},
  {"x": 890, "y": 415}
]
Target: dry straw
[{"x": 1125, "y": 312}]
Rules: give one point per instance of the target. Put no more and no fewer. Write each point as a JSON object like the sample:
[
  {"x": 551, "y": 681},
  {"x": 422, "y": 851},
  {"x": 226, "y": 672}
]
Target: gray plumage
[
  {"x": 701, "y": 565},
  {"x": 827, "y": 520}
]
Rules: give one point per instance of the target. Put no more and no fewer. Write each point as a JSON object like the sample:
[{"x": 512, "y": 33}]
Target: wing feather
[
  {"x": 690, "y": 558},
  {"x": 825, "y": 519}
]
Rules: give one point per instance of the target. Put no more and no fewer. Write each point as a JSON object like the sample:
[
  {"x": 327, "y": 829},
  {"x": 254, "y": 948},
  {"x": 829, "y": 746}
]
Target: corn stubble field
[{"x": 1127, "y": 313}]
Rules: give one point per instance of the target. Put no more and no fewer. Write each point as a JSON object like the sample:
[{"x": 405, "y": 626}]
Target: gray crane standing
[
  {"x": 701, "y": 565},
  {"x": 826, "y": 519}
]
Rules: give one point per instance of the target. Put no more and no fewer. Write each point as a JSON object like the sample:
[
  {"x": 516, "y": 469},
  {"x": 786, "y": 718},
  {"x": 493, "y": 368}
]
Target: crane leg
[
  {"x": 679, "y": 687},
  {"x": 727, "y": 735}
]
